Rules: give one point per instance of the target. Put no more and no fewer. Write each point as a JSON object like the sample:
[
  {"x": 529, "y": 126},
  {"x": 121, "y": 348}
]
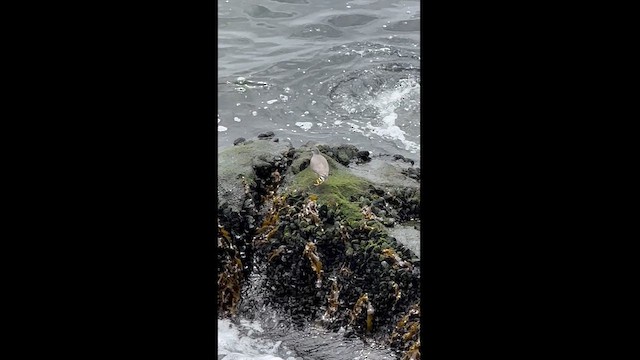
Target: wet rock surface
[
  {"x": 324, "y": 253},
  {"x": 267, "y": 135},
  {"x": 385, "y": 171}
]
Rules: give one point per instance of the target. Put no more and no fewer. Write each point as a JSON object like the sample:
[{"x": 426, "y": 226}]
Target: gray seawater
[{"x": 324, "y": 70}]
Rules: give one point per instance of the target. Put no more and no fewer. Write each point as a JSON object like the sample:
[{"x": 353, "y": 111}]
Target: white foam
[
  {"x": 304, "y": 125},
  {"x": 222, "y": 128},
  {"x": 386, "y": 103},
  {"x": 237, "y": 356},
  {"x": 253, "y": 325},
  {"x": 236, "y": 119},
  {"x": 236, "y": 347}
]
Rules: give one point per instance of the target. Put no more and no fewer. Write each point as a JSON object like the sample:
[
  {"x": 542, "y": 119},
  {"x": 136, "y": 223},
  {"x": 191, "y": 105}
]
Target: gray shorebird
[{"x": 320, "y": 166}]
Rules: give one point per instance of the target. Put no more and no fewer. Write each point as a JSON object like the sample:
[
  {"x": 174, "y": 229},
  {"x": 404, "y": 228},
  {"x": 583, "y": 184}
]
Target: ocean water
[
  {"x": 237, "y": 341},
  {"x": 324, "y": 70},
  {"x": 248, "y": 340}
]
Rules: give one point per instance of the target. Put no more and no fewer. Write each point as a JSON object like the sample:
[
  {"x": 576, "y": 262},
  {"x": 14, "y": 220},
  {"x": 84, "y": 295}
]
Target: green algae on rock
[{"x": 338, "y": 190}]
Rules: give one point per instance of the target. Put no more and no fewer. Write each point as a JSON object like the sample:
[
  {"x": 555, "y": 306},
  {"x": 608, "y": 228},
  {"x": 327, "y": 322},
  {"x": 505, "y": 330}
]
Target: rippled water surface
[
  {"x": 323, "y": 70},
  {"x": 330, "y": 71}
]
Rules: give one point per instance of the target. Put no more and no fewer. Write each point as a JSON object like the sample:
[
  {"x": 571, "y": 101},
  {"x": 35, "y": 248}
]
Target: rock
[
  {"x": 406, "y": 160},
  {"x": 345, "y": 153},
  {"x": 238, "y": 165},
  {"x": 238, "y": 141},
  {"x": 317, "y": 236},
  {"x": 381, "y": 171},
  {"x": 363, "y": 155},
  {"x": 265, "y": 136},
  {"x": 413, "y": 173},
  {"x": 408, "y": 237}
]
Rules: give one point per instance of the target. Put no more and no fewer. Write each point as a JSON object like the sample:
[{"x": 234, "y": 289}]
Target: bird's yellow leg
[{"x": 318, "y": 181}]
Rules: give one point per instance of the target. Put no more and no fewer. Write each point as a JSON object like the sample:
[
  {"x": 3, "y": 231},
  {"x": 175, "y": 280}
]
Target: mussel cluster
[
  {"x": 236, "y": 229},
  {"x": 320, "y": 265},
  {"x": 344, "y": 154},
  {"x": 392, "y": 205}
]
